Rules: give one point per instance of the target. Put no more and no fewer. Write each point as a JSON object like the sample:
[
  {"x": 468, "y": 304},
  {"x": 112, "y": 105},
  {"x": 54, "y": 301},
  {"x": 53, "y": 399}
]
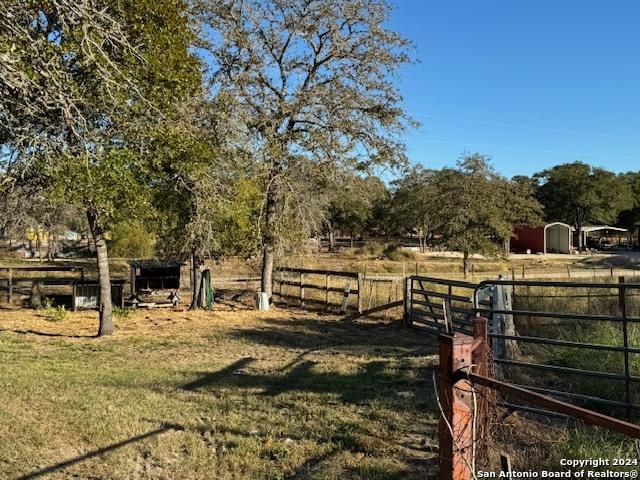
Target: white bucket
[{"x": 262, "y": 301}]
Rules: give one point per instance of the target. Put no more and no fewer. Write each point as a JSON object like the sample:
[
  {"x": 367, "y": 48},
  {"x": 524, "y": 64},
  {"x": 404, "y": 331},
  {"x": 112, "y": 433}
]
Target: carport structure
[{"x": 603, "y": 231}]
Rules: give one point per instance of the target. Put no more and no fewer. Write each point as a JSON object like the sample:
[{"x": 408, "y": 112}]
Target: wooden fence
[
  {"x": 17, "y": 283},
  {"x": 67, "y": 285},
  {"x": 328, "y": 289}
]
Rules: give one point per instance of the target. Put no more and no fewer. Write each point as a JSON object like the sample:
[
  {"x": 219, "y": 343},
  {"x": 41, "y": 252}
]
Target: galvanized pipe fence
[{"x": 574, "y": 340}]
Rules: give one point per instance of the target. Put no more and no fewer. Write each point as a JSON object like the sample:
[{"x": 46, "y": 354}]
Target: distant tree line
[{"x": 473, "y": 209}]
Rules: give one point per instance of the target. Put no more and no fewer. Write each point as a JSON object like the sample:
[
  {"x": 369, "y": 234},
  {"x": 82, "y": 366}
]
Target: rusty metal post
[{"x": 455, "y": 431}]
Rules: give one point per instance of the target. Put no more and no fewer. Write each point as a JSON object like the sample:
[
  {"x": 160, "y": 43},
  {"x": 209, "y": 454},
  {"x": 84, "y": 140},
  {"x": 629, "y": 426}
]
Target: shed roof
[
  {"x": 595, "y": 228},
  {"x": 155, "y": 263},
  {"x": 553, "y": 224}
]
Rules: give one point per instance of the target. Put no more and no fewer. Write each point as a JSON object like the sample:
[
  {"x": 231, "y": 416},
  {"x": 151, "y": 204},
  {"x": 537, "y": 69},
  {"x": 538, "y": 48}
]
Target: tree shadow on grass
[
  {"x": 94, "y": 453},
  {"x": 44, "y": 334},
  {"x": 315, "y": 334},
  {"x": 371, "y": 382}
]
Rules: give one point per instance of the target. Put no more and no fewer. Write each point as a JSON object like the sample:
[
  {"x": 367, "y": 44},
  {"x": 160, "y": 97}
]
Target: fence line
[
  {"x": 295, "y": 286},
  {"x": 543, "y": 338}
]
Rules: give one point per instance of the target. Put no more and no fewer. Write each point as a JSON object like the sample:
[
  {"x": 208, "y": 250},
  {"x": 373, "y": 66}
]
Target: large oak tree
[
  {"x": 83, "y": 85},
  {"x": 479, "y": 207},
  {"x": 312, "y": 81}
]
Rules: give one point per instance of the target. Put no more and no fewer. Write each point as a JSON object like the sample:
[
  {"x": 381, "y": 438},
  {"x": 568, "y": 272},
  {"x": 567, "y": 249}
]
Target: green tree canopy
[
  {"x": 629, "y": 217},
  {"x": 579, "y": 194},
  {"x": 84, "y": 85},
  {"x": 356, "y": 205},
  {"x": 416, "y": 204},
  {"x": 480, "y": 207}
]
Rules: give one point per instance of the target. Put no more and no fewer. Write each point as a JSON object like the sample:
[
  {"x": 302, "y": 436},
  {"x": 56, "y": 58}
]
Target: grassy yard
[
  {"x": 239, "y": 394},
  {"x": 232, "y": 394}
]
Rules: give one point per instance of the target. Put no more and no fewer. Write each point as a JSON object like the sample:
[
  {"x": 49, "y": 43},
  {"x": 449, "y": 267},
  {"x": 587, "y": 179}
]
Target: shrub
[
  {"x": 131, "y": 239},
  {"x": 396, "y": 253},
  {"x": 370, "y": 249},
  {"x": 55, "y": 313}
]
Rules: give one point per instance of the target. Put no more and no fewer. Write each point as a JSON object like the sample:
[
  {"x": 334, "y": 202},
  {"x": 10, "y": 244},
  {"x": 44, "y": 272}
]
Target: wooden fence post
[
  {"x": 406, "y": 293},
  {"x": 74, "y": 300},
  {"x": 455, "y": 431},
  {"x": 301, "y": 289},
  {"x": 345, "y": 298},
  {"x": 480, "y": 358},
  {"x": 360, "y": 293},
  {"x": 10, "y": 286},
  {"x": 327, "y": 285}
]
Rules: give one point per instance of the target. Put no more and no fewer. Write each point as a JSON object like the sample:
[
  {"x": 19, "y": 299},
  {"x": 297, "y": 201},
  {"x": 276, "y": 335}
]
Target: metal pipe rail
[
  {"x": 587, "y": 416},
  {"x": 622, "y": 318},
  {"x": 430, "y": 300}
]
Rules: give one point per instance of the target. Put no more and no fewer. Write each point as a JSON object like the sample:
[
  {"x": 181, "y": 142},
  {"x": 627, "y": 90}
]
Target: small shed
[
  {"x": 556, "y": 237},
  {"x": 159, "y": 275}
]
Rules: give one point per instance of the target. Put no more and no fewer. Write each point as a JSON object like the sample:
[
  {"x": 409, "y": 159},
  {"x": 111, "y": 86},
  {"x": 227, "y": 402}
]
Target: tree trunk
[
  {"x": 35, "y": 300},
  {"x": 39, "y": 245},
  {"x": 332, "y": 240},
  {"x": 267, "y": 270},
  {"x": 579, "y": 234},
  {"x": 351, "y": 240},
  {"x": 465, "y": 264},
  {"x": 50, "y": 249},
  {"x": 196, "y": 284},
  {"x": 104, "y": 278},
  {"x": 268, "y": 242}
]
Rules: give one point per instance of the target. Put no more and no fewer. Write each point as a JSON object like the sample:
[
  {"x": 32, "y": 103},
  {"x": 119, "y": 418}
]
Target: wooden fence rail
[
  {"x": 295, "y": 286},
  {"x": 13, "y": 280}
]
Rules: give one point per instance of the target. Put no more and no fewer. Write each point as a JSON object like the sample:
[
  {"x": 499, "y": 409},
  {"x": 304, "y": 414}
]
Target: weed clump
[
  {"x": 122, "y": 312},
  {"x": 55, "y": 313}
]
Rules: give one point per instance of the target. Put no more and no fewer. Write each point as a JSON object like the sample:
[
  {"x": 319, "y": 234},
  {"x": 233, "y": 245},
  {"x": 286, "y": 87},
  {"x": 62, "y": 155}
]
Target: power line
[
  {"x": 506, "y": 147},
  {"x": 526, "y": 127}
]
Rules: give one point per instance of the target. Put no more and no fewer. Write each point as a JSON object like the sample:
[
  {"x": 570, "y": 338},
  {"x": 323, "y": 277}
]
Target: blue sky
[{"x": 530, "y": 83}]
